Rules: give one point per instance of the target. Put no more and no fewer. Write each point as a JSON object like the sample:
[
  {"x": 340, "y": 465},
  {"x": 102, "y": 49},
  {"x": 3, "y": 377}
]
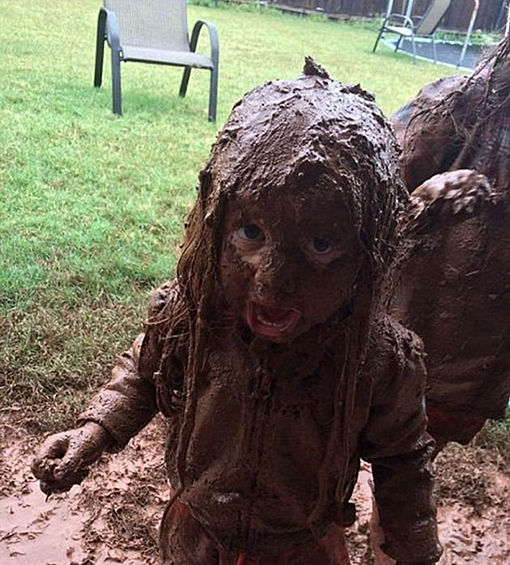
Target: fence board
[{"x": 457, "y": 17}]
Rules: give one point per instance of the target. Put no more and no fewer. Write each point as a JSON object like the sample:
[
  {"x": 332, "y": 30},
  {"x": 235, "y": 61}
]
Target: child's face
[{"x": 289, "y": 259}]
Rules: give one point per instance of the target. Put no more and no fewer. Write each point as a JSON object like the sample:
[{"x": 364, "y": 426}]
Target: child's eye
[
  {"x": 251, "y": 232},
  {"x": 319, "y": 246}
]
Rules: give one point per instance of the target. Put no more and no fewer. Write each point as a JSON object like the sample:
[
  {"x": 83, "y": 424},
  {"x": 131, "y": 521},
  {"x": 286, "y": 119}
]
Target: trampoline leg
[
  {"x": 414, "y": 49},
  {"x": 434, "y": 49}
]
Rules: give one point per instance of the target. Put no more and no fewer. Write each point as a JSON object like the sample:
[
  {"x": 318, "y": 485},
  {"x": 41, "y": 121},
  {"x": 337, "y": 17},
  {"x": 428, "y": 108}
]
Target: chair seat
[
  {"x": 178, "y": 58},
  {"x": 405, "y": 31}
]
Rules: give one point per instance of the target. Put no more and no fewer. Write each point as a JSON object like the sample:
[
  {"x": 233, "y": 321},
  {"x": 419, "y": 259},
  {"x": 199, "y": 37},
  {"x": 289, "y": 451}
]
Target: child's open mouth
[{"x": 271, "y": 321}]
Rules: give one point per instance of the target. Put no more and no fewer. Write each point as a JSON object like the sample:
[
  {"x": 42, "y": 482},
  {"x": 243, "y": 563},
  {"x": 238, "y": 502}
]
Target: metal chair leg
[
  {"x": 213, "y": 94},
  {"x": 185, "y": 81},
  {"x": 116, "y": 84},
  {"x": 100, "y": 41},
  {"x": 377, "y": 40}
]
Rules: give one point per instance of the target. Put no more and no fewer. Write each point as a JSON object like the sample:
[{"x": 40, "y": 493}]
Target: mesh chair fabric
[
  {"x": 178, "y": 58},
  {"x": 153, "y": 24}
]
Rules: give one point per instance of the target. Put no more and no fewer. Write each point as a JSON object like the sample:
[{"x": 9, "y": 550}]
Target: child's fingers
[
  {"x": 43, "y": 469},
  {"x": 63, "y": 459},
  {"x": 69, "y": 465},
  {"x": 80, "y": 453},
  {"x": 63, "y": 485},
  {"x": 48, "y": 457},
  {"x": 54, "y": 447}
]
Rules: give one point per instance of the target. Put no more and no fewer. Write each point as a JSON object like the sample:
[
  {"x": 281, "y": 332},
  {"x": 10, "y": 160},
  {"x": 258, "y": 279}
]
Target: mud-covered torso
[
  {"x": 455, "y": 290},
  {"x": 261, "y": 428},
  {"x": 274, "y": 441},
  {"x": 455, "y": 293},
  {"x": 262, "y": 423}
]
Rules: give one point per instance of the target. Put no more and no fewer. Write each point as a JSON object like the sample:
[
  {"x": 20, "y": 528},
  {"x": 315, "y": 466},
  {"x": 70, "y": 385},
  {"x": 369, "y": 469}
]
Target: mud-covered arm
[
  {"x": 396, "y": 444},
  {"x": 431, "y": 130},
  {"x": 444, "y": 199},
  {"x": 127, "y": 402}
]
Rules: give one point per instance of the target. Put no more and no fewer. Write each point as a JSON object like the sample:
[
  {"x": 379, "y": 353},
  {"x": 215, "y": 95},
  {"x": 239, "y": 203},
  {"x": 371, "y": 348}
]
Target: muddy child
[
  {"x": 270, "y": 355},
  {"x": 455, "y": 291}
]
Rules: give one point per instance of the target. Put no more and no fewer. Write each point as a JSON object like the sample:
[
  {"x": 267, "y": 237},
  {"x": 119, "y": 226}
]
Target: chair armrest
[
  {"x": 213, "y": 38},
  {"x": 398, "y": 19},
  {"x": 112, "y": 29}
]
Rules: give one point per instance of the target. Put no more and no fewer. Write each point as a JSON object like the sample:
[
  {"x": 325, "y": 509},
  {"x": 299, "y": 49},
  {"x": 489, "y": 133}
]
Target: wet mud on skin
[{"x": 113, "y": 516}]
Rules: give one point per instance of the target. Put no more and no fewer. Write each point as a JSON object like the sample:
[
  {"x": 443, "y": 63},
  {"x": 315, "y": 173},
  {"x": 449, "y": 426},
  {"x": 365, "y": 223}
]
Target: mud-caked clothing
[
  {"x": 455, "y": 291},
  {"x": 261, "y": 420}
]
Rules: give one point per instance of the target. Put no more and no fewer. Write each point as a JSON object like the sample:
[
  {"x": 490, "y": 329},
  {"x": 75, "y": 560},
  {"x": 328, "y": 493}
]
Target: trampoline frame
[{"x": 474, "y": 14}]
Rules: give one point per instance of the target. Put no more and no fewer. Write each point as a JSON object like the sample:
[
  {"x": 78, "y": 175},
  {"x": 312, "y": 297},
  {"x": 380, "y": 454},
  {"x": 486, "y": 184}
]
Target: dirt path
[{"x": 113, "y": 516}]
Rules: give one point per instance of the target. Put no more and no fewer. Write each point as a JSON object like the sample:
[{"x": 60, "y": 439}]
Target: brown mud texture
[{"x": 113, "y": 516}]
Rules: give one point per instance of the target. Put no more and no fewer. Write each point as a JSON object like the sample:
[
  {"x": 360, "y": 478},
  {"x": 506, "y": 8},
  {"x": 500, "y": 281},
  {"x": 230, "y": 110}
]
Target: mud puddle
[{"x": 113, "y": 516}]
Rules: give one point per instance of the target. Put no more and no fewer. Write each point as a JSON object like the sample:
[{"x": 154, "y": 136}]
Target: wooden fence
[{"x": 491, "y": 15}]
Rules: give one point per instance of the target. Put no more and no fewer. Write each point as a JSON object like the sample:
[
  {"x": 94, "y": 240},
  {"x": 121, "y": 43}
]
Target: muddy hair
[
  {"x": 491, "y": 79},
  {"x": 317, "y": 132}
]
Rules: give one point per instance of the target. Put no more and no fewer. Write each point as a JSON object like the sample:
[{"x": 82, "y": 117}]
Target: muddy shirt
[
  {"x": 455, "y": 291},
  {"x": 260, "y": 434}
]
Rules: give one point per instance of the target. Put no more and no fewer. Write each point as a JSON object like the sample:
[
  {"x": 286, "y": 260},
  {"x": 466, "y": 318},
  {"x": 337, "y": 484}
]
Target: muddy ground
[{"x": 113, "y": 516}]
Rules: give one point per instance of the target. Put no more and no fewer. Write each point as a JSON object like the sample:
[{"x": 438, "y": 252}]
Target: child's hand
[
  {"x": 63, "y": 458},
  {"x": 446, "y": 194},
  {"x": 461, "y": 190}
]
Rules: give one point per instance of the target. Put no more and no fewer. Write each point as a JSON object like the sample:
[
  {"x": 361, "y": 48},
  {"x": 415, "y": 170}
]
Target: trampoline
[
  {"x": 447, "y": 53},
  {"x": 456, "y": 54}
]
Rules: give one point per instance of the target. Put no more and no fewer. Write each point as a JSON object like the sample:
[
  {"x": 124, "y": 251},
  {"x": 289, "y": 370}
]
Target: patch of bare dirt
[
  {"x": 473, "y": 497},
  {"x": 113, "y": 516},
  {"x": 473, "y": 501}
]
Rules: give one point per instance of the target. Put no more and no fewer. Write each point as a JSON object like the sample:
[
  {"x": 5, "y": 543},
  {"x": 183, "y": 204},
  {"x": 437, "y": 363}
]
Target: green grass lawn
[{"x": 92, "y": 206}]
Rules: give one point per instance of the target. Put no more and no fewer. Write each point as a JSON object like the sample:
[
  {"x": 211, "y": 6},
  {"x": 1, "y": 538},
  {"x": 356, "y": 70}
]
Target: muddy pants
[{"x": 184, "y": 542}]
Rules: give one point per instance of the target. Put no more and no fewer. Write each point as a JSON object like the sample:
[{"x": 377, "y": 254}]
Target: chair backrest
[
  {"x": 157, "y": 24},
  {"x": 432, "y": 17}
]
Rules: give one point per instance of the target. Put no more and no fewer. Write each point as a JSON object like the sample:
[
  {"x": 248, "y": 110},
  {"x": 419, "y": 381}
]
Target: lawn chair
[
  {"x": 417, "y": 26},
  {"x": 153, "y": 31}
]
